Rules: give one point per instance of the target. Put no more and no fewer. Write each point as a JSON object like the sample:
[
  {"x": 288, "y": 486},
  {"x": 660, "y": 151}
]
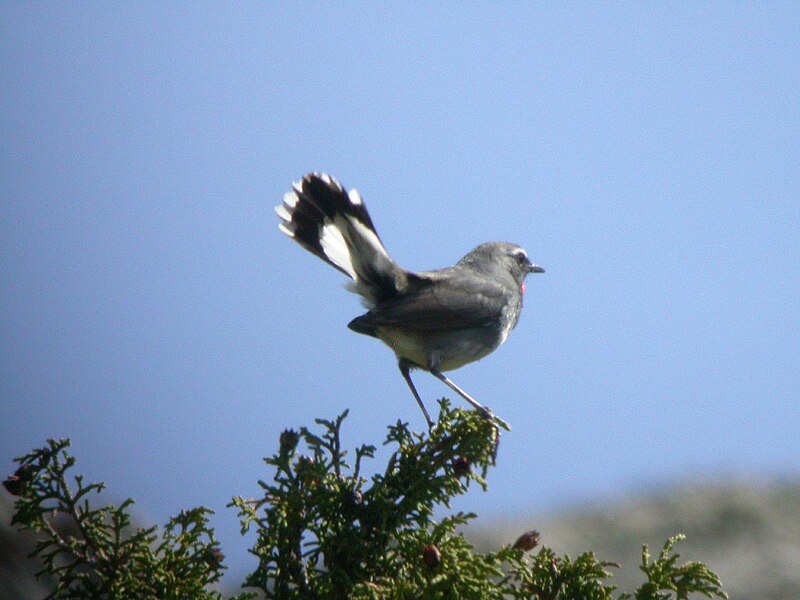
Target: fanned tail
[{"x": 332, "y": 223}]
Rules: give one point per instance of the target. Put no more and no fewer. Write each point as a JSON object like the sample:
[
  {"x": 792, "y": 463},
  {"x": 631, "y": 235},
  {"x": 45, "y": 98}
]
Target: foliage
[
  {"x": 94, "y": 552},
  {"x": 665, "y": 578},
  {"x": 325, "y": 530}
]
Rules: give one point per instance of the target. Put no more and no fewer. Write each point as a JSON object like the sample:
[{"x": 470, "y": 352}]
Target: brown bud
[
  {"x": 461, "y": 466},
  {"x": 288, "y": 440},
  {"x": 303, "y": 464},
  {"x": 214, "y": 557},
  {"x": 527, "y": 541},
  {"x": 554, "y": 567},
  {"x": 16, "y": 483},
  {"x": 353, "y": 498},
  {"x": 431, "y": 556},
  {"x": 305, "y": 468}
]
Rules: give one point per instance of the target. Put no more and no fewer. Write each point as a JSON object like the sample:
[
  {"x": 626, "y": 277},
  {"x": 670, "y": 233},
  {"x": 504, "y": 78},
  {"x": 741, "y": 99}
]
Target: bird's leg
[
  {"x": 485, "y": 411},
  {"x": 405, "y": 368}
]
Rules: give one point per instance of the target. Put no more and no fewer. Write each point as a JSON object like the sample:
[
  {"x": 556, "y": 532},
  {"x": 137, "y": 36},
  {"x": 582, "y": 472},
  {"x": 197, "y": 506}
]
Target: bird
[{"x": 434, "y": 321}]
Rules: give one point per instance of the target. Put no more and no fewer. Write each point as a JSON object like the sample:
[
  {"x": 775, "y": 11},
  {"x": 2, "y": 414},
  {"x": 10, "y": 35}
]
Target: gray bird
[{"x": 432, "y": 320}]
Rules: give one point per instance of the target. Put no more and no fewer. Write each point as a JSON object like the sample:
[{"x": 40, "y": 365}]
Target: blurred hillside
[
  {"x": 747, "y": 533},
  {"x": 18, "y": 573}
]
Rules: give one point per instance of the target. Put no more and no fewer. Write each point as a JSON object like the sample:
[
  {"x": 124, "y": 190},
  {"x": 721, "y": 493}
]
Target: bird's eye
[{"x": 521, "y": 257}]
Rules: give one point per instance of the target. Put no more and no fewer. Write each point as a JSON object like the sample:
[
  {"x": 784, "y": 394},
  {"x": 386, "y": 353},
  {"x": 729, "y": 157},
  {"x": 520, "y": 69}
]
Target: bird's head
[
  {"x": 505, "y": 257},
  {"x": 519, "y": 264}
]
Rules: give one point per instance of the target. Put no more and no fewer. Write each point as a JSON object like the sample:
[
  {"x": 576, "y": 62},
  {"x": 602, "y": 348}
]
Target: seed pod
[
  {"x": 16, "y": 483},
  {"x": 288, "y": 440},
  {"x": 527, "y": 541},
  {"x": 353, "y": 498},
  {"x": 214, "y": 557},
  {"x": 431, "y": 556},
  {"x": 461, "y": 466}
]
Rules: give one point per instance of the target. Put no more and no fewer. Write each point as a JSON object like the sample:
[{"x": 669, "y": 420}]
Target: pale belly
[{"x": 450, "y": 350}]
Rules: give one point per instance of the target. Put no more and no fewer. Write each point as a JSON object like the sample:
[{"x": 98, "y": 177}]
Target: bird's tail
[{"x": 327, "y": 220}]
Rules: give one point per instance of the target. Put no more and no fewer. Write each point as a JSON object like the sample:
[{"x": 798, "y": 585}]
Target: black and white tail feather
[{"x": 324, "y": 218}]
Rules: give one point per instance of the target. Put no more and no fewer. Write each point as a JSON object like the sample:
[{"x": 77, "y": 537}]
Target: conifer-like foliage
[
  {"x": 93, "y": 551},
  {"x": 324, "y": 530}
]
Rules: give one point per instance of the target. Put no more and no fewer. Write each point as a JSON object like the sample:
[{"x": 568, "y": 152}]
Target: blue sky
[{"x": 647, "y": 155}]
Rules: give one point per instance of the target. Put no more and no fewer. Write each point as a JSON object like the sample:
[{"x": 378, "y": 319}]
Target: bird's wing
[{"x": 439, "y": 305}]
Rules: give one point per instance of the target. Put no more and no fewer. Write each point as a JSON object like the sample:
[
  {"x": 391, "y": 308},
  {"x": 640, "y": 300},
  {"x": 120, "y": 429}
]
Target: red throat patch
[{"x": 522, "y": 287}]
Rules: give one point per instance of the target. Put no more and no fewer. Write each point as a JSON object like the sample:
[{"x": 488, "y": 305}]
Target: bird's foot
[{"x": 488, "y": 414}]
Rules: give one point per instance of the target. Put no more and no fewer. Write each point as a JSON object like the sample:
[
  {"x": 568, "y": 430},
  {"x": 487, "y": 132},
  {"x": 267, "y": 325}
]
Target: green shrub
[{"x": 324, "y": 530}]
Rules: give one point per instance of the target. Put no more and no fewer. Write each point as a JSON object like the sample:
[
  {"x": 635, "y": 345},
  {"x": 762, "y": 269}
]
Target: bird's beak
[{"x": 532, "y": 268}]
